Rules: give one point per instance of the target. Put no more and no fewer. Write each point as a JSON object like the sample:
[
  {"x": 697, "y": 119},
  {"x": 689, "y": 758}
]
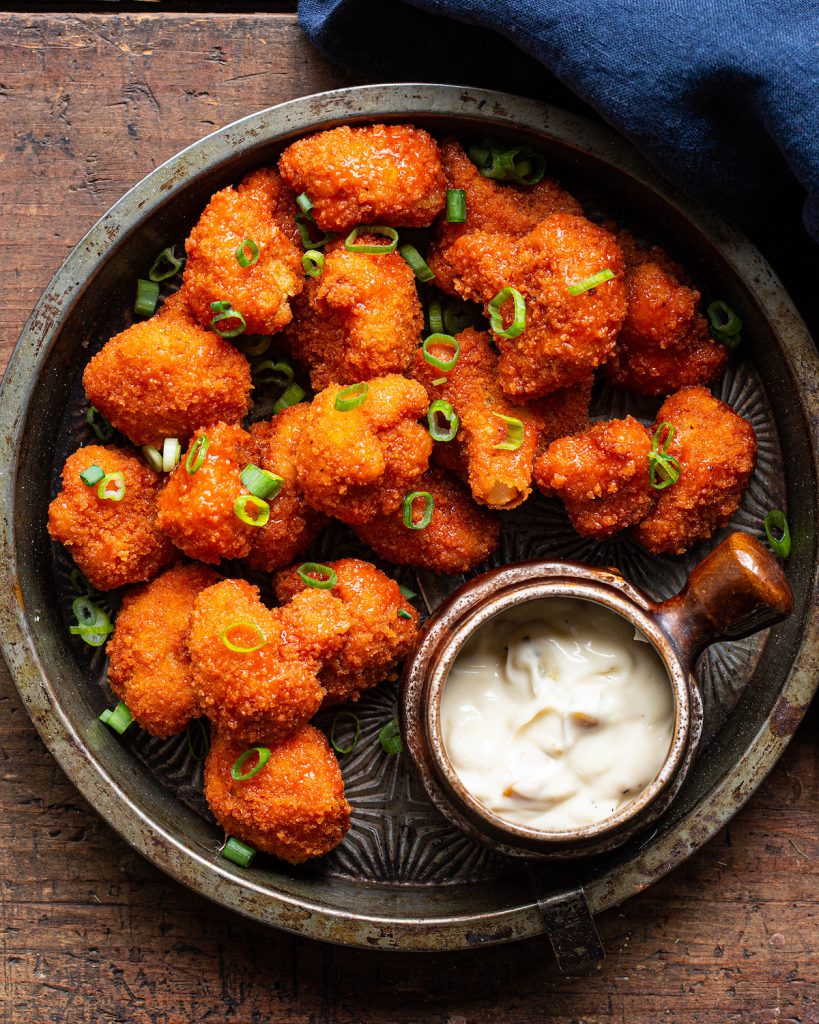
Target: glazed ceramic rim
[{"x": 181, "y": 859}]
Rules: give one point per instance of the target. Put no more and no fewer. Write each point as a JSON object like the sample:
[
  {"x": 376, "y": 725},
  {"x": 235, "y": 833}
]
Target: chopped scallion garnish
[
  {"x": 99, "y": 424},
  {"x": 303, "y": 202},
  {"x": 164, "y": 266},
  {"x": 444, "y": 409},
  {"x": 334, "y": 743},
  {"x": 455, "y": 206},
  {"x": 92, "y": 475},
  {"x": 407, "y": 593},
  {"x": 520, "y": 165},
  {"x": 119, "y": 719},
  {"x": 153, "y": 456},
  {"x": 254, "y": 345},
  {"x": 775, "y": 520},
  {"x": 268, "y": 372},
  {"x": 725, "y": 324},
  {"x": 257, "y": 505},
  {"x": 225, "y": 312},
  {"x": 147, "y": 297},
  {"x": 351, "y": 397},
  {"x": 416, "y": 262},
  {"x": 263, "y": 755},
  {"x": 238, "y": 852},
  {"x": 403, "y": 615},
  {"x": 247, "y": 254},
  {"x": 426, "y": 515},
  {"x": 171, "y": 454},
  {"x": 303, "y": 223},
  {"x": 196, "y": 456},
  {"x": 261, "y": 482},
  {"x": 496, "y": 321},
  {"x": 514, "y": 433},
  {"x": 435, "y": 316},
  {"x": 663, "y": 469},
  {"x": 293, "y": 394},
  {"x": 390, "y": 737},
  {"x": 312, "y": 263},
  {"x": 447, "y": 341},
  {"x": 591, "y": 282},
  {"x": 317, "y": 576},
  {"x": 243, "y": 648},
  {"x": 438, "y": 381},
  {"x": 93, "y": 623},
  {"x": 371, "y": 229},
  {"x": 107, "y": 492},
  {"x": 198, "y": 739}
]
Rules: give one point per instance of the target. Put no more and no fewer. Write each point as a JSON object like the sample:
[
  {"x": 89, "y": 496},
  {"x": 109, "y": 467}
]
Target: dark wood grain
[{"x": 93, "y": 933}]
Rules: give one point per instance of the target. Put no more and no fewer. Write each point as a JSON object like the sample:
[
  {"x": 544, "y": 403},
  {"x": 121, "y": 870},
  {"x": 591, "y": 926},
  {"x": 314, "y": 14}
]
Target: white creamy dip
[{"x": 555, "y": 714}]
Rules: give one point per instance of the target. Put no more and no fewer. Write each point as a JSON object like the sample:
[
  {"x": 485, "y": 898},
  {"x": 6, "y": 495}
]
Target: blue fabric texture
[{"x": 721, "y": 95}]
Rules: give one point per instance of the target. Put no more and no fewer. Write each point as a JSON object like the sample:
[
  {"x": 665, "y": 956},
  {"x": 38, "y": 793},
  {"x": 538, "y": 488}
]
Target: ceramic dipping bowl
[{"x": 735, "y": 591}]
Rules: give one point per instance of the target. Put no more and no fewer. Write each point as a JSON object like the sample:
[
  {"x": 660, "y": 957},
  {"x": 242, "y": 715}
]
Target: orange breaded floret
[
  {"x": 381, "y": 174},
  {"x": 269, "y": 687},
  {"x": 566, "y": 336},
  {"x": 359, "y": 464},
  {"x": 293, "y": 808},
  {"x": 293, "y": 525},
  {"x": 497, "y": 477},
  {"x": 261, "y": 292},
  {"x": 378, "y": 637},
  {"x": 266, "y": 186},
  {"x": 716, "y": 450},
  {"x": 113, "y": 542},
  {"x": 148, "y": 662},
  {"x": 564, "y": 412},
  {"x": 360, "y": 318},
  {"x": 196, "y": 509},
  {"x": 166, "y": 376},
  {"x": 504, "y": 209},
  {"x": 601, "y": 476},
  {"x": 460, "y": 535}
]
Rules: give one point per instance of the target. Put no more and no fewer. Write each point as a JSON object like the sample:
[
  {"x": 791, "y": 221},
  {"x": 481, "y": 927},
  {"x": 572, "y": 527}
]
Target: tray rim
[{"x": 234, "y": 890}]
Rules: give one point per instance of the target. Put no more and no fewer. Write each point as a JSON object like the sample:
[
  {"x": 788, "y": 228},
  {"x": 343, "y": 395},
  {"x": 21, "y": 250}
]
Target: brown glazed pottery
[{"x": 735, "y": 591}]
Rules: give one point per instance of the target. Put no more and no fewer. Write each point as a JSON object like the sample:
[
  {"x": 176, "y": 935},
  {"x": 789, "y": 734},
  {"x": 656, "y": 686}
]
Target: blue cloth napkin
[{"x": 721, "y": 95}]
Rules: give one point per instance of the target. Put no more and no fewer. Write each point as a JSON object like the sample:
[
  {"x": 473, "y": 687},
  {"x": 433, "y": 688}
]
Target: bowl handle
[{"x": 735, "y": 591}]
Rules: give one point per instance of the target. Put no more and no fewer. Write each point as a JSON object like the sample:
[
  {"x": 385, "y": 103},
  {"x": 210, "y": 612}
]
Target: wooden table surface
[{"x": 91, "y": 932}]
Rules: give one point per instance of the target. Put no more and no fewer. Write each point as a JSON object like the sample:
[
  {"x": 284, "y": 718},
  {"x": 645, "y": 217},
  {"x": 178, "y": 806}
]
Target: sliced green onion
[
  {"x": 92, "y": 475},
  {"x": 663, "y": 469},
  {"x": 268, "y": 372},
  {"x": 242, "y": 648},
  {"x": 312, "y": 263},
  {"x": 522, "y": 165},
  {"x": 408, "y": 594},
  {"x": 153, "y": 457},
  {"x": 147, "y": 297},
  {"x": 371, "y": 229},
  {"x": 775, "y": 520},
  {"x": 435, "y": 317},
  {"x": 390, "y": 737},
  {"x": 119, "y": 719},
  {"x": 224, "y": 311},
  {"x": 351, "y": 397},
  {"x": 487, "y": 159},
  {"x": 171, "y": 454},
  {"x": 164, "y": 266},
  {"x": 725, "y": 324},
  {"x": 81, "y": 584},
  {"x": 403, "y": 615},
  {"x": 261, "y": 482},
  {"x": 480, "y": 155},
  {"x": 241, "y": 512},
  {"x": 303, "y": 222},
  {"x": 238, "y": 852},
  {"x": 292, "y": 396},
  {"x": 495, "y": 319},
  {"x": 591, "y": 282},
  {"x": 514, "y": 433},
  {"x": 334, "y": 742},
  {"x": 426, "y": 517},
  {"x": 196, "y": 456},
  {"x": 455, "y": 206},
  {"x": 236, "y": 773},
  {"x": 441, "y": 408},
  {"x": 242, "y": 258},
  {"x": 303, "y": 203},
  {"x": 448, "y": 342},
  {"x": 320, "y": 577},
  {"x": 99, "y": 424},
  {"x": 438, "y": 381},
  {"x": 254, "y": 345},
  {"x": 118, "y": 493},
  {"x": 416, "y": 262},
  {"x": 198, "y": 739},
  {"x": 93, "y": 623}
]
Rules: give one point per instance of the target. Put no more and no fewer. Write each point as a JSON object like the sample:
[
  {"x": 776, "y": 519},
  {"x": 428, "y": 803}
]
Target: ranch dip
[{"x": 556, "y": 714}]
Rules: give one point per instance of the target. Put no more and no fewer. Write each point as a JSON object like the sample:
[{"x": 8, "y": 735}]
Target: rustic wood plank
[{"x": 90, "y": 931}]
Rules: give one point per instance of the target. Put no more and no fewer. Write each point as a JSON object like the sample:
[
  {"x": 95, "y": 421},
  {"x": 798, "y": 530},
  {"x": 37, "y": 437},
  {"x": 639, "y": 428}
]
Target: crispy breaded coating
[
  {"x": 260, "y": 292},
  {"x": 196, "y": 509},
  {"x": 113, "y": 542},
  {"x": 148, "y": 662},
  {"x": 564, "y": 412},
  {"x": 505, "y": 209},
  {"x": 381, "y": 174},
  {"x": 166, "y": 376},
  {"x": 459, "y": 537},
  {"x": 360, "y": 318},
  {"x": 716, "y": 450},
  {"x": 293, "y": 524},
  {"x": 359, "y": 464},
  {"x": 267, "y": 693},
  {"x": 664, "y": 344},
  {"x": 293, "y": 808},
  {"x": 378, "y": 637},
  {"x": 600, "y": 475},
  {"x": 566, "y": 336},
  {"x": 266, "y": 186},
  {"x": 497, "y": 478}
]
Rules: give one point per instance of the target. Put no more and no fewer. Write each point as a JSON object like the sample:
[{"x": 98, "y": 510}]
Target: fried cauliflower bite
[
  {"x": 716, "y": 450},
  {"x": 196, "y": 510},
  {"x": 148, "y": 662},
  {"x": 265, "y": 185},
  {"x": 359, "y": 464},
  {"x": 564, "y": 412},
  {"x": 459, "y": 537},
  {"x": 293, "y": 524},
  {"x": 360, "y": 318},
  {"x": 504, "y": 209},
  {"x": 378, "y": 638},
  {"x": 113, "y": 542},
  {"x": 381, "y": 174},
  {"x": 266, "y": 693},
  {"x": 566, "y": 336},
  {"x": 166, "y": 376},
  {"x": 601, "y": 476},
  {"x": 497, "y": 478},
  {"x": 293, "y": 808},
  {"x": 262, "y": 291}
]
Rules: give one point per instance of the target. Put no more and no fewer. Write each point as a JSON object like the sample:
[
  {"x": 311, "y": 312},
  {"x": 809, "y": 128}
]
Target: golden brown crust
[{"x": 265, "y": 185}]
